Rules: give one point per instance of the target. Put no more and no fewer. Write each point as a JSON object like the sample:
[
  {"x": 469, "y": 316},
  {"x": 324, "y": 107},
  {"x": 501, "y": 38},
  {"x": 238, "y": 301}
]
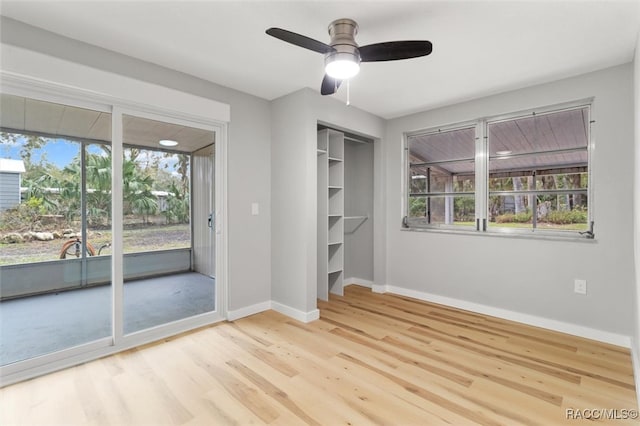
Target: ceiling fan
[{"x": 342, "y": 56}]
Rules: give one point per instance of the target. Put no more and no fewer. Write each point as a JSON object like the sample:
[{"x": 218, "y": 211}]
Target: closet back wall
[{"x": 358, "y": 201}]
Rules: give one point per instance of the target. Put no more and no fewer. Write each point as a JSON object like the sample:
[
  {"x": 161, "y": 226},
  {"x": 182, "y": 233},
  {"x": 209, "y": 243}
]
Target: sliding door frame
[{"x": 33, "y": 88}]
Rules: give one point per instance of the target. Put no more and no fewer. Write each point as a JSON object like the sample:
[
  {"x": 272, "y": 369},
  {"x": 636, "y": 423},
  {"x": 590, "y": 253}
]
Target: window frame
[
  {"x": 431, "y": 131},
  {"x": 481, "y": 166}
]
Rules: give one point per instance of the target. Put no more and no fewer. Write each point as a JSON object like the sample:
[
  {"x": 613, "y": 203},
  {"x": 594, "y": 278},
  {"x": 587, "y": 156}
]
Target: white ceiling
[{"x": 480, "y": 47}]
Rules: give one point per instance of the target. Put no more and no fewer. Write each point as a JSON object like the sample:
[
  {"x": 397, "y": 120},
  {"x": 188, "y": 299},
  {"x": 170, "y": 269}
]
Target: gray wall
[
  {"x": 291, "y": 132},
  {"x": 9, "y": 190},
  {"x": 358, "y": 201},
  {"x": 530, "y": 276},
  {"x": 249, "y": 164},
  {"x": 294, "y": 188}
]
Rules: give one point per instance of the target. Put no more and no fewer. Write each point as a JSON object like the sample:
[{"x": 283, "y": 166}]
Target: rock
[
  {"x": 13, "y": 238},
  {"x": 57, "y": 235},
  {"x": 67, "y": 231},
  {"x": 27, "y": 236},
  {"x": 42, "y": 236}
]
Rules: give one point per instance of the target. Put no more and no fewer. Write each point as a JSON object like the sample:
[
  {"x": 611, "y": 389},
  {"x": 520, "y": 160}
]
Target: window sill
[{"x": 526, "y": 235}]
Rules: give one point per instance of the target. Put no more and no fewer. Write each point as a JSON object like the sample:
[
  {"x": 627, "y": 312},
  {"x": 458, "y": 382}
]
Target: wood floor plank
[{"x": 369, "y": 359}]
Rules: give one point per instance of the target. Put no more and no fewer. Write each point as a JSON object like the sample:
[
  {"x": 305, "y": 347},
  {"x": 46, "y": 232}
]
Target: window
[
  {"x": 533, "y": 168},
  {"x": 442, "y": 177}
]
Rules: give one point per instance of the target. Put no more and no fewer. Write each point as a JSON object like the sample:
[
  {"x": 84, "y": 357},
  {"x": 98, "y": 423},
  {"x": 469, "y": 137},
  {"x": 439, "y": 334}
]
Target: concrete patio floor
[{"x": 37, "y": 325}]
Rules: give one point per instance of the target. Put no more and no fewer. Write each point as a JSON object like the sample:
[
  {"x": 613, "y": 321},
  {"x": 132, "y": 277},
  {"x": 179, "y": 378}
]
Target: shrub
[
  {"x": 565, "y": 217},
  {"x": 522, "y": 217},
  {"x": 23, "y": 217}
]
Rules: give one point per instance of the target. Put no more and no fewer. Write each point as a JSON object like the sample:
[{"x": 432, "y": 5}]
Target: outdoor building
[{"x": 10, "y": 180}]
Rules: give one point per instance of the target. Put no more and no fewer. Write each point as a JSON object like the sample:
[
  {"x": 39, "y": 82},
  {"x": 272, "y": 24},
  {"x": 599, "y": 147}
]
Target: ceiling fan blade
[
  {"x": 395, "y": 50},
  {"x": 300, "y": 40},
  {"x": 329, "y": 85}
]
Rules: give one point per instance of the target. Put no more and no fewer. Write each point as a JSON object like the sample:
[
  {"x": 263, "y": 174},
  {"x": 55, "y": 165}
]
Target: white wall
[
  {"x": 532, "y": 277},
  {"x": 294, "y": 191},
  {"x": 249, "y": 154}
]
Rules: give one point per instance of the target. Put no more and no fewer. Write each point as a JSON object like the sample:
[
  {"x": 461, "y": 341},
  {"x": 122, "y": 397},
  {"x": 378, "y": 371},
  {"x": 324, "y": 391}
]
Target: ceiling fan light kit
[
  {"x": 343, "y": 62},
  {"x": 341, "y": 66},
  {"x": 342, "y": 56}
]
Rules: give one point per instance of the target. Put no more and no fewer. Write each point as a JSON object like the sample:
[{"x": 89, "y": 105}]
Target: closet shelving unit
[{"x": 330, "y": 212}]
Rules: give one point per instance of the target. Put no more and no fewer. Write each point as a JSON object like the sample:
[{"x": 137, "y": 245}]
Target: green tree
[
  {"x": 98, "y": 171},
  {"x": 138, "y": 198}
]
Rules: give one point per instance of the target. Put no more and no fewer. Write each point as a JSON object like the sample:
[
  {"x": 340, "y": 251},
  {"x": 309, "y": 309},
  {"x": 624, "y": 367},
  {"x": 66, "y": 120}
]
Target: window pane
[
  {"x": 55, "y": 291},
  {"x": 540, "y": 163},
  {"x": 167, "y": 276},
  {"x": 156, "y": 200},
  {"x": 515, "y": 183},
  {"x": 426, "y": 179},
  {"x": 442, "y": 210},
  {"x": 521, "y": 161},
  {"x": 554, "y": 211},
  {"x": 542, "y": 132},
  {"x": 442, "y": 146},
  {"x": 442, "y": 163},
  {"x": 563, "y": 181}
]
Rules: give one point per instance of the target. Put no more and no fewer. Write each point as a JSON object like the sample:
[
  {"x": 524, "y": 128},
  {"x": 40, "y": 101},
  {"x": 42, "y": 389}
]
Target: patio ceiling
[
  {"x": 565, "y": 130},
  {"x": 21, "y": 115}
]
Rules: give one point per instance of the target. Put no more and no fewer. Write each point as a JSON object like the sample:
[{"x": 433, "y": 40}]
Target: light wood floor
[{"x": 370, "y": 359}]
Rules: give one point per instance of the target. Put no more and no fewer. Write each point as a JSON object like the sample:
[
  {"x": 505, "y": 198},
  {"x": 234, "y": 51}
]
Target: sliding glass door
[
  {"x": 108, "y": 230},
  {"x": 55, "y": 227},
  {"x": 167, "y": 230}
]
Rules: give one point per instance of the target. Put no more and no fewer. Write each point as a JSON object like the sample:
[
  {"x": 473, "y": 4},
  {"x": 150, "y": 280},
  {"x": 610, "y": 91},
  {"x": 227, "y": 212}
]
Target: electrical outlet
[{"x": 580, "y": 286}]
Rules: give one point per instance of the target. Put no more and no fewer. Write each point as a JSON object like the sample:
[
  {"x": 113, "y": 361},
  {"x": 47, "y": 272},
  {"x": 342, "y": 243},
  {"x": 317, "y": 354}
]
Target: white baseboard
[
  {"x": 295, "y": 313},
  {"x": 635, "y": 360},
  {"x": 248, "y": 310},
  {"x": 563, "y": 327},
  {"x": 278, "y": 307},
  {"x": 376, "y": 288},
  {"x": 357, "y": 281}
]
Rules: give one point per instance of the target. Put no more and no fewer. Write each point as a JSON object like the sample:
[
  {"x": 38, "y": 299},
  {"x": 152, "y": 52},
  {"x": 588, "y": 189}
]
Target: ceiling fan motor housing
[{"x": 342, "y": 33}]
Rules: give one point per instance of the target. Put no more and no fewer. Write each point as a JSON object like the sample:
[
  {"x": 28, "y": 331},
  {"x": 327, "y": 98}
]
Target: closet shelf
[
  {"x": 363, "y": 218},
  {"x": 330, "y": 183}
]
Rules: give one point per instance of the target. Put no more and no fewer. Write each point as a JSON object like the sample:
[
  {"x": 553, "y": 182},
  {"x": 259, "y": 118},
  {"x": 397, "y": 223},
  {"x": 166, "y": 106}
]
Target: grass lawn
[{"x": 149, "y": 238}]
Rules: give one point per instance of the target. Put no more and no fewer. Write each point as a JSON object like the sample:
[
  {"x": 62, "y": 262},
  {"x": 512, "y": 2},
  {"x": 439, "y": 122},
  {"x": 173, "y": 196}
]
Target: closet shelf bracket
[{"x": 359, "y": 221}]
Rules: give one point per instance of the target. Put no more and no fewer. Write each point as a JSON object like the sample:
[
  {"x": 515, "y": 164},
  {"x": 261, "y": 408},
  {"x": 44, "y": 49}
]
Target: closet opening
[{"x": 345, "y": 210}]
